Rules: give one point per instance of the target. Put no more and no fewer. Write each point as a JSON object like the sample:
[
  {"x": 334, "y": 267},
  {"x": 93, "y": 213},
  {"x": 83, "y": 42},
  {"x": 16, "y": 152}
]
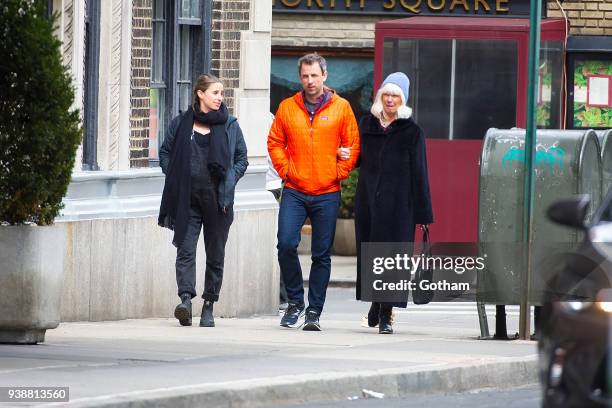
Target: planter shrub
[
  {"x": 39, "y": 131},
  {"x": 344, "y": 239},
  {"x": 348, "y": 188}
]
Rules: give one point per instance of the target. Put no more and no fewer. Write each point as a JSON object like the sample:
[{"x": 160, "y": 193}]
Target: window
[
  {"x": 157, "y": 103},
  {"x": 351, "y": 77},
  {"x": 92, "y": 73},
  {"x": 190, "y": 10},
  {"x": 453, "y": 84},
  {"x": 184, "y": 77},
  {"x": 549, "y": 93},
  {"x": 590, "y": 75},
  {"x": 181, "y": 52},
  {"x": 605, "y": 212}
]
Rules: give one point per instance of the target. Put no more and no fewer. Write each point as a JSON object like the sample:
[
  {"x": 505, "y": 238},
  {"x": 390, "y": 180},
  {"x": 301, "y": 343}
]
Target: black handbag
[{"x": 423, "y": 273}]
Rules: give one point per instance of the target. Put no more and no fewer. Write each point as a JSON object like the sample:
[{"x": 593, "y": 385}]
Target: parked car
[{"x": 574, "y": 342}]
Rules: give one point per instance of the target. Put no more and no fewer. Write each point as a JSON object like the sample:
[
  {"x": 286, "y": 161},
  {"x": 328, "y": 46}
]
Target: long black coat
[{"x": 393, "y": 189}]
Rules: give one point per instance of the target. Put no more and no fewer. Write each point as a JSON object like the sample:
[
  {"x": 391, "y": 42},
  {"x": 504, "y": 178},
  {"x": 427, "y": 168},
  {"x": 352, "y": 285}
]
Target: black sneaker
[
  {"x": 292, "y": 315},
  {"x": 312, "y": 321}
]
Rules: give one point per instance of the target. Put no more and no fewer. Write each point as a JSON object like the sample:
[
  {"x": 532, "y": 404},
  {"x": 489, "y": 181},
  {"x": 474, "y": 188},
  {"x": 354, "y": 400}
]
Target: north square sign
[{"x": 406, "y": 8}]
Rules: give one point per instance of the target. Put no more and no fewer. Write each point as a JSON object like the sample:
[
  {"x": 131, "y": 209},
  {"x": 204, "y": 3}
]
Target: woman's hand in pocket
[{"x": 344, "y": 153}]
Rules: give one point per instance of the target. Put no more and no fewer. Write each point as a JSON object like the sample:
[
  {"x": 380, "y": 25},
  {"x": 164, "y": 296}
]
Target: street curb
[{"x": 329, "y": 386}]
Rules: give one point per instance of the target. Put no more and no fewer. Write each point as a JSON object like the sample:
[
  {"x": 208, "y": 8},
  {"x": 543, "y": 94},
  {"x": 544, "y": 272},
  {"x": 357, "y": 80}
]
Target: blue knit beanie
[{"x": 400, "y": 79}]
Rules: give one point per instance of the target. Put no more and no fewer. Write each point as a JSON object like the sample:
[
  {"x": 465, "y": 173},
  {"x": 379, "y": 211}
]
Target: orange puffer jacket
[{"x": 305, "y": 154}]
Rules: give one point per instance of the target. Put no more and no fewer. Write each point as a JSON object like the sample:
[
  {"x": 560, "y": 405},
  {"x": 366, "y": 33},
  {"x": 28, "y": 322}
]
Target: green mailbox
[
  {"x": 605, "y": 141},
  {"x": 565, "y": 163}
]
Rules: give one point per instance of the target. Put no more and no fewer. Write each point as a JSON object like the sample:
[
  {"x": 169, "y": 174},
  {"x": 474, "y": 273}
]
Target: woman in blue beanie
[{"x": 393, "y": 190}]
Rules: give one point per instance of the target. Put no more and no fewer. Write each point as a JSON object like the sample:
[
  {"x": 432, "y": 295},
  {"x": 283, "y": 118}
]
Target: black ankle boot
[
  {"x": 207, "y": 319},
  {"x": 385, "y": 326},
  {"x": 373, "y": 314},
  {"x": 183, "y": 310}
]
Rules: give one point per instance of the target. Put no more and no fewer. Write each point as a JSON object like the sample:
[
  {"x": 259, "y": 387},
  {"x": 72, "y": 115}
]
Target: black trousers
[{"x": 205, "y": 213}]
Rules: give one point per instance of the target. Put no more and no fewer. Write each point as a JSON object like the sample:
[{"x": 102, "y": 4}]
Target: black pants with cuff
[{"x": 206, "y": 213}]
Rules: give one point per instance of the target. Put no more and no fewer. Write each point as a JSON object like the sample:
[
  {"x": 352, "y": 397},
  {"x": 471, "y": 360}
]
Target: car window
[{"x": 604, "y": 215}]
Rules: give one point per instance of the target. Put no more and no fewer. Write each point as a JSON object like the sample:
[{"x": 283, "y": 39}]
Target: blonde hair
[
  {"x": 203, "y": 82},
  {"x": 404, "y": 112}
]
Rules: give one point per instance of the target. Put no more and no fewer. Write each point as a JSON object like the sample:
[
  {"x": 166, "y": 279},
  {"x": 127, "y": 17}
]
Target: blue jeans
[{"x": 322, "y": 211}]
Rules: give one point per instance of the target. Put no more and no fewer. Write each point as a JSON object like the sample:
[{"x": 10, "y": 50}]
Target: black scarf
[
  {"x": 218, "y": 152},
  {"x": 176, "y": 198}
]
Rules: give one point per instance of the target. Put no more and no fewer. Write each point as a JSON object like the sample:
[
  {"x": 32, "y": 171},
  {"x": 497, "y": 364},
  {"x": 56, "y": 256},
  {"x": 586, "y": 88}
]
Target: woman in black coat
[
  {"x": 203, "y": 157},
  {"x": 393, "y": 190}
]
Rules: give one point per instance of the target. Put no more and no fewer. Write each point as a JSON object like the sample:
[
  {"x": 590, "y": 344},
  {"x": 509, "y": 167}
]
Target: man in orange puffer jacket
[{"x": 313, "y": 144}]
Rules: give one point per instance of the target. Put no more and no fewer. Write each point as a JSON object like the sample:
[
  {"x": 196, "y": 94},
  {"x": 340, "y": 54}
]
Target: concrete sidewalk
[{"x": 253, "y": 362}]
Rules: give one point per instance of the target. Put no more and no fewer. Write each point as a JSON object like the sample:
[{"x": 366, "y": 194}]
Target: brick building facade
[
  {"x": 229, "y": 19},
  {"x": 134, "y": 63},
  {"x": 349, "y": 39},
  {"x": 112, "y": 48},
  {"x": 142, "y": 36},
  {"x": 587, "y": 17}
]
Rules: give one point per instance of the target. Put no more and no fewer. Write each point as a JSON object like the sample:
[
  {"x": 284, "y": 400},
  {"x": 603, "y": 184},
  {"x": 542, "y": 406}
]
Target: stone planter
[
  {"x": 344, "y": 240},
  {"x": 31, "y": 279},
  {"x": 305, "y": 245}
]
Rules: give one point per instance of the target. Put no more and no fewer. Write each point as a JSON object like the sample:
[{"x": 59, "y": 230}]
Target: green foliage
[
  {"x": 593, "y": 116},
  {"x": 593, "y": 67},
  {"x": 39, "y": 133},
  {"x": 597, "y": 117},
  {"x": 543, "y": 115},
  {"x": 584, "y": 68},
  {"x": 347, "y": 195},
  {"x": 579, "y": 79}
]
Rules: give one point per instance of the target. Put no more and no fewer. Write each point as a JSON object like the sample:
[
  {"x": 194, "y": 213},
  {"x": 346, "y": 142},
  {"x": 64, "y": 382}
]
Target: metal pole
[
  {"x": 532, "y": 89},
  {"x": 482, "y": 320}
]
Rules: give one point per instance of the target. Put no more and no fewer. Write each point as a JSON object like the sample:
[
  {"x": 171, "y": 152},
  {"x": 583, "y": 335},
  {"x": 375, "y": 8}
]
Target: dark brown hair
[
  {"x": 310, "y": 59},
  {"x": 203, "y": 82}
]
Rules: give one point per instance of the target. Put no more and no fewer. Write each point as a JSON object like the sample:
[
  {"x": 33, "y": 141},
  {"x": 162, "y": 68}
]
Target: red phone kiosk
[{"x": 468, "y": 74}]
